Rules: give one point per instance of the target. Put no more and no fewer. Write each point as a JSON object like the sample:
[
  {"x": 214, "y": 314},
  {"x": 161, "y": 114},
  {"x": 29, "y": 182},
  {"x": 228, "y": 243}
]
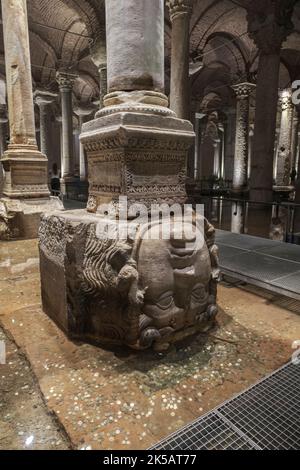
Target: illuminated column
[
  {"x": 285, "y": 142},
  {"x": 216, "y": 145},
  {"x": 240, "y": 165}
]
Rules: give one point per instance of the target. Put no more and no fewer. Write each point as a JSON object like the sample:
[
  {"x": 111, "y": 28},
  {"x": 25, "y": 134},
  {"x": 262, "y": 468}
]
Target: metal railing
[{"x": 256, "y": 218}]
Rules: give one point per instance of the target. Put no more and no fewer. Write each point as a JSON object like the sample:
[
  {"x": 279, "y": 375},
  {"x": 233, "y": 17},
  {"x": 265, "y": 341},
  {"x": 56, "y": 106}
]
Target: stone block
[{"x": 136, "y": 291}]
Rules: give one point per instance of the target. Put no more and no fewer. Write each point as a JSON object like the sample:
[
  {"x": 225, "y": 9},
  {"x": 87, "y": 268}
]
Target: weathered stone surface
[
  {"x": 21, "y": 218},
  {"x": 284, "y": 158},
  {"x": 129, "y": 290},
  {"x": 135, "y": 52},
  {"x": 240, "y": 169},
  {"x": 137, "y": 292},
  {"x": 180, "y": 14},
  {"x": 66, "y": 82},
  {"x": 140, "y": 156}
]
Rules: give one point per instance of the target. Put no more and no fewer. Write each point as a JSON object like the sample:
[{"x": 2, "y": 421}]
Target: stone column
[
  {"x": 136, "y": 149},
  {"x": 216, "y": 169},
  {"x": 250, "y": 141},
  {"x": 240, "y": 164},
  {"x": 269, "y": 27},
  {"x": 25, "y": 167},
  {"x": 3, "y": 129},
  {"x": 44, "y": 101},
  {"x": 3, "y": 135},
  {"x": 65, "y": 82},
  {"x": 98, "y": 56},
  {"x": 285, "y": 142},
  {"x": 237, "y": 217},
  {"x": 134, "y": 111},
  {"x": 103, "y": 84},
  {"x": 180, "y": 14},
  {"x": 295, "y": 138},
  {"x": 58, "y": 119},
  {"x": 82, "y": 113}
]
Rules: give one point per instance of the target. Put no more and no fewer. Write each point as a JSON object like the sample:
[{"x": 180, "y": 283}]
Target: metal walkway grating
[
  {"x": 264, "y": 417},
  {"x": 272, "y": 265}
]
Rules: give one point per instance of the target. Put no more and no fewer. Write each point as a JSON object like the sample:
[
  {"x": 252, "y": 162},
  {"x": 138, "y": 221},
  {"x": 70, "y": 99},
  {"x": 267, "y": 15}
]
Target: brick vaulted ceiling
[{"x": 61, "y": 32}]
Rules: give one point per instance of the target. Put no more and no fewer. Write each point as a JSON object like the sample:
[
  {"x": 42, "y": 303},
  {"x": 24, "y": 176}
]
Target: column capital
[
  {"x": 179, "y": 7},
  {"x": 270, "y": 26},
  {"x": 285, "y": 100},
  {"x": 243, "y": 90},
  {"x": 65, "y": 80}
]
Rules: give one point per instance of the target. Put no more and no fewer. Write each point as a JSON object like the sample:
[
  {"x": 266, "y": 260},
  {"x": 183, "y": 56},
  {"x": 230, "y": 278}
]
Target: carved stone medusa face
[{"x": 176, "y": 274}]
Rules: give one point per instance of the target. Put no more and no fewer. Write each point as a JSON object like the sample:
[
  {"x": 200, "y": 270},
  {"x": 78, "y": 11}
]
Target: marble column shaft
[
  {"x": 295, "y": 138},
  {"x": 269, "y": 25},
  {"x": 66, "y": 82},
  {"x": 25, "y": 167},
  {"x": 44, "y": 101},
  {"x": 83, "y": 114},
  {"x": 103, "y": 84},
  {"x": 285, "y": 140},
  {"x": 216, "y": 145},
  {"x": 18, "y": 72},
  {"x": 3, "y": 126},
  {"x": 134, "y": 52},
  {"x": 261, "y": 181},
  {"x": 180, "y": 14},
  {"x": 240, "y": 165}
]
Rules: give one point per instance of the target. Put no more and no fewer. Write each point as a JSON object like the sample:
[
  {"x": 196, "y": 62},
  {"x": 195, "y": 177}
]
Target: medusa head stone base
[{"x": 137, "y": 291}]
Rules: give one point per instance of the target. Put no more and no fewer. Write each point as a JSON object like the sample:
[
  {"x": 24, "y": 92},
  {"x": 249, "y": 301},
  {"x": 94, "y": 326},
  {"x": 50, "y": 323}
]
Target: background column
[
  {"x": 285, "y": 142},
  {"x": 180, "y": 14},
  {"x": 267, "y": 28},
  {"x": 240, "y": 165},
  {"x": 83, "y": 113},
  {"x": 44, "y": 101},
  {"x": 65, "y": 82},
  {"x": 25, "y": 167}
]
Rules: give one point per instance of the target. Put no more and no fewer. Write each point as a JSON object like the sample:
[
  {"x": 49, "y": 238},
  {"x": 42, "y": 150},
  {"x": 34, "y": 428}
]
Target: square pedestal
[{"x": 141, "y": 156}]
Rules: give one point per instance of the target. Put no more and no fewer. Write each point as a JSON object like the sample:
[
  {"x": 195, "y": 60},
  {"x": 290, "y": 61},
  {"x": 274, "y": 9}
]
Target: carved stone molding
[
  {"x": 285, "y": 100},
  {"x": 269, "y": 27},
  {"x": 179, "y": 7},
  {"x": 128, "y": 156},
  {"x": 65, "y": 81},
  {"x": 243, "y": 90}
]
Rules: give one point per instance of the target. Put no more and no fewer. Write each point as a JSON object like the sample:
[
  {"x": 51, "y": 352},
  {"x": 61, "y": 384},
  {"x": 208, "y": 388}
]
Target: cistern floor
[{"x": 101, "y": 399}]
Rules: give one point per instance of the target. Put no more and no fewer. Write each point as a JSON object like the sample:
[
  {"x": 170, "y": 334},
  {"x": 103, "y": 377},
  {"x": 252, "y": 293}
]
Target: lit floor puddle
[{"x": 87, "y": 397}]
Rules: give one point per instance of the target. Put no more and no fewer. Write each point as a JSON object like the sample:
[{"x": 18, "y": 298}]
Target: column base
[
  {"x": 283, "y": 190},
  {"x": 20, "y": 218},
  {"x": 25, "y": 173}
]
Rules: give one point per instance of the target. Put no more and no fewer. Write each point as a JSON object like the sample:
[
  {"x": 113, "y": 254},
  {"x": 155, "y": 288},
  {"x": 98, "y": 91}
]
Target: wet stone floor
[
  {"x": 25, "y": 421},
  {"x": 86, "y": 397}
]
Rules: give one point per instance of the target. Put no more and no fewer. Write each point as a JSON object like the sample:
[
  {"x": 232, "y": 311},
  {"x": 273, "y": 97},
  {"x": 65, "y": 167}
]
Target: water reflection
[{"x": 274, "y": 222}]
